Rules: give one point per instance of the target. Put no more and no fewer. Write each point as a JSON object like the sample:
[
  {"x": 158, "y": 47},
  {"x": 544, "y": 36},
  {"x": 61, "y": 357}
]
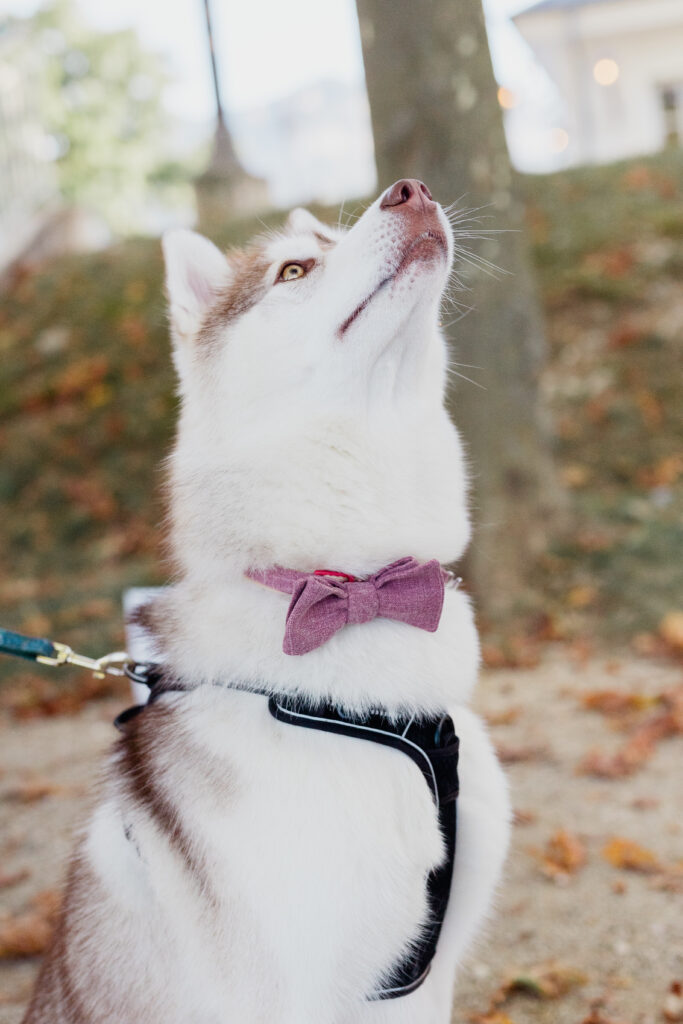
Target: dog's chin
[
  {"x": 426, "y": 251},
  {"x": 395, "y": 301}
]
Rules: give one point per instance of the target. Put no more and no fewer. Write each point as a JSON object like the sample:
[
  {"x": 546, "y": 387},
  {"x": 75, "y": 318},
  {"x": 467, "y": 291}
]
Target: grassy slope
[
  {"x": 609, "y": 251},
  {"x": 87, "y": 410}
]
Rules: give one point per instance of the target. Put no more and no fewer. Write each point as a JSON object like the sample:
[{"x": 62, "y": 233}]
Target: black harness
[{"x": 433, "y": 746}]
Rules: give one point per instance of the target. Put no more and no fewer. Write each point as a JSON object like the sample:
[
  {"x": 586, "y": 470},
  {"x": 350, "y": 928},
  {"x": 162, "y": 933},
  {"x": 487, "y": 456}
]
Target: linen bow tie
[{"x": 324, "y": 602}]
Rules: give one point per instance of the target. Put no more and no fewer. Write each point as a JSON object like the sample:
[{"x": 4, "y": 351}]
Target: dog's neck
[{"x": 346, "y": 495}]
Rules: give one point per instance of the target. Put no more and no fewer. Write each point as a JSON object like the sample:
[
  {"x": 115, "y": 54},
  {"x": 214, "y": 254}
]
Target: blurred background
[
  {"x": 556, "y": 129},
  {"x": 563, "y": 158}
]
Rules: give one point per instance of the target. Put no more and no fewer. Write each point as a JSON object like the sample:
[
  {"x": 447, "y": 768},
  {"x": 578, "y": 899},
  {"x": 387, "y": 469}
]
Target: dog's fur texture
[{"x": 238, "y": 870}]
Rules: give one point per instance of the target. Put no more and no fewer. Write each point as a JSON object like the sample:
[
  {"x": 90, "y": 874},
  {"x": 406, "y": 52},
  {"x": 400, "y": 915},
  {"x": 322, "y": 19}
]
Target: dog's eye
[{"x": 291, "y": 271}]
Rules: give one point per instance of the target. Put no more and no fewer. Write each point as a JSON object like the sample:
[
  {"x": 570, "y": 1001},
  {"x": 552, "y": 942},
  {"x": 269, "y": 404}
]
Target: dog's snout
[{"x": 407, "y": 192}]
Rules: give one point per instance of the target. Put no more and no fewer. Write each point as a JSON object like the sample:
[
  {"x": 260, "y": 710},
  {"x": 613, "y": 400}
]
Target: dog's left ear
[
  {"x": 196, "y": 272},
  {"x": 302, "y": 222}
]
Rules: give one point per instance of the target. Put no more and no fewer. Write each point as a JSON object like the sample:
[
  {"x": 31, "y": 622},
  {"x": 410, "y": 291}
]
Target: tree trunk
[{"x": 436, "y": 117}]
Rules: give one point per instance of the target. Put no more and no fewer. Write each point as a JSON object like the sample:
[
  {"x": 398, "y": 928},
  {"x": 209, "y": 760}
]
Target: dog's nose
[{"x": 407, "y": 192}]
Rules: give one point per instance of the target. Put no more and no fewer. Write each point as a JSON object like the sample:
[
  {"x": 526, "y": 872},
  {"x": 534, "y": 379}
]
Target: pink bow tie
[{"x": 324, "y": 602}]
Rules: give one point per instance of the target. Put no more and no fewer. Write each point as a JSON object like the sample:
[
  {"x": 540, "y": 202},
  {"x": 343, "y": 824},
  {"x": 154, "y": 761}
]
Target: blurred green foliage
[{"x": 99, "y": 99}]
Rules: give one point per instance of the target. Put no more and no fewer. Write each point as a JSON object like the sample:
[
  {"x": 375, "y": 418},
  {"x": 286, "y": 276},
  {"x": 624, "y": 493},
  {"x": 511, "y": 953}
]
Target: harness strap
[{"x": 431, "y": 744}]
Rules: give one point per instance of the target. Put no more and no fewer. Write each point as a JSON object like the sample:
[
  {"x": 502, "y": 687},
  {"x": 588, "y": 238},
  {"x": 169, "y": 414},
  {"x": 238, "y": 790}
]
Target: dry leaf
[
  {"x": 630, "y": 856},
  {"x": 546, "y": 981},
  {"x": 29, "y": 933},
  {"x": 503, "y": 717},
  {"x": 563, "y": 856},
  {"x": 575, "y": 475},
  {"x": 596, "y": 1016},
  {"x": 10, "y": 878},
  {"x": 32, "y": 790},
  {"x": 673, "y": 1004},
  {"x": 514, "y": 755},
  {"x": 614, "y": 702},
  {"x": 582, "y": 596},
  {"x": 671, "y": 630},
  {"x": 642, "y": 743}
]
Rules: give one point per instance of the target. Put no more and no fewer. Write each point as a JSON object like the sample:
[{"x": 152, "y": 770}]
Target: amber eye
[{"x": 291, "y": 271}]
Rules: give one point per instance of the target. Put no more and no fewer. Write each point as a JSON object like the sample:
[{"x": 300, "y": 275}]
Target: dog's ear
[
  {"x": 302, "y": 222},
  {"x": 196, "y": 272}
]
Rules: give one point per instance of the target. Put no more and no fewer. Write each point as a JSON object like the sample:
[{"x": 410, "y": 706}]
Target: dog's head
[
  {"x": 314, "y": 315},
  {"x": 312, "y": 371}
]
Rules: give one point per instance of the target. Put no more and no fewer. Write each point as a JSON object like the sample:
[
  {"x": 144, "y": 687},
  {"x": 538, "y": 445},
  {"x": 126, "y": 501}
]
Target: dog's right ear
[{"x": 196, "y": 272}]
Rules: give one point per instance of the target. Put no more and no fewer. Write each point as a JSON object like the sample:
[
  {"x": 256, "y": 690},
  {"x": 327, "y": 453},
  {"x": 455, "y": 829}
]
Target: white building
[{"x": 618, "y": 65}]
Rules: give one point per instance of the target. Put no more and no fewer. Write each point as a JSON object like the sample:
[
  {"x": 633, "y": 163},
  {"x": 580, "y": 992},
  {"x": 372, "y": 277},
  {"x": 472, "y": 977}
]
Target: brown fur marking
[
  {"x": 247, "y": 286},
  {"x": 138, "y": 747}
]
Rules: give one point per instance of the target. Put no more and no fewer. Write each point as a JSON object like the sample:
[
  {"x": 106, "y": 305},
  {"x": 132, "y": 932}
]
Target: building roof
[{"x": 556, "y": 5}]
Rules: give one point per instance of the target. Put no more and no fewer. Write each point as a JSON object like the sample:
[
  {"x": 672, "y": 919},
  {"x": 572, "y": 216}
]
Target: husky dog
[{"x": 239, "y": 870}]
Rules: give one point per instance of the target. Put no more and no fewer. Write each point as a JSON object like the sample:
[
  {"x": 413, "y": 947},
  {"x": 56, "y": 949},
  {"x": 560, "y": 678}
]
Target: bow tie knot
[
  {"x": 322, "y": 604},
  {"x": 363, "y": 601}
]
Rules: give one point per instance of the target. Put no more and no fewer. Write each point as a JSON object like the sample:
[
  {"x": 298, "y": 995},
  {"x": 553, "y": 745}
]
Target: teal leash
[
  {"x": 53, "y": 653},
  {"x": 30, "y": 647}
]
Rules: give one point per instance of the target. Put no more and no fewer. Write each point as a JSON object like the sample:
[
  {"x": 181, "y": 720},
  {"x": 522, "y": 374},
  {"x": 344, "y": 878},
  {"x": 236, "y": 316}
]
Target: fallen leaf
[
  {"x": 503, "y": 717},
  {"x": 645, "y": 803},
  {"x": 671, "y": 630},
  {"x": 29, "y": 933},
  {"x": 10, "y": 878},
  {"x": 596, "y": 1016},
  {"x": 575, "y": 475},
  {"x": 630, "y": 856},
  {"x": 33, "y": 790},
  {"x": 642, "y": 743},
  {"x": 664, "y": 473},
  {"x": 515, "y": 755},
  {"x": 564, "y": 854},
  {"x": 545, "y": 981},
  {"x": 614, "y": 702},
  {"x": 673, "y": 1004},
  {"x": 669, "y": 880},
  {"x": 582, "y": 596}
]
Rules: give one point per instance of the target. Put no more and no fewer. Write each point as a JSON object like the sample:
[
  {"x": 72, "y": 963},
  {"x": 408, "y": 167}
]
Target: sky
[{"x": 269, "y": 48}]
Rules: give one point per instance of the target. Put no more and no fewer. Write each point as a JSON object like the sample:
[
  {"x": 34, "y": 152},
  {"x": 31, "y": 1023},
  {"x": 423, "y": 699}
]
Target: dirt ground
[{"x": 612, "y": 935}]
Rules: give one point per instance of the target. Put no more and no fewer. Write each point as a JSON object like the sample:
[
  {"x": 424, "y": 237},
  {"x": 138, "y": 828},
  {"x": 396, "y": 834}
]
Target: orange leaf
[
  {"x": 9, "y": 878},
  {"x": 545, "y": 981},
  {"x": 564, "y": 854},
  {"x": 611, "y": 702},
  {"x": 671, "y": 630},
  {"x": 29, "y": 933},
  {"x": 629, "y": 856}
]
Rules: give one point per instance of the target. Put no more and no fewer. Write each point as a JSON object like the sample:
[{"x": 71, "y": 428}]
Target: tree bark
[{"x": 436, "y": 117}]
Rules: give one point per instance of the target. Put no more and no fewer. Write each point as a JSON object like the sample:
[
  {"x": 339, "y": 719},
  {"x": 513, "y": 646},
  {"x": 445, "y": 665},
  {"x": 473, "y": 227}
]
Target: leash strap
[
  {"x": 30, "y": 647},
  {"x": 49, "y": 652}
]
